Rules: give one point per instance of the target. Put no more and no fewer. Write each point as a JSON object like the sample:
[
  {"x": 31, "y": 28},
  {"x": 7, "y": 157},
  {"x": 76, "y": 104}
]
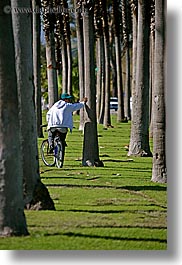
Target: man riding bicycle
[{"x": 60, "y": 117}]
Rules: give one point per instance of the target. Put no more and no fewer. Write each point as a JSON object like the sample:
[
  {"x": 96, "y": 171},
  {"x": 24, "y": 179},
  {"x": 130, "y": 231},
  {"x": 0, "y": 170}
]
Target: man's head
[{"x": 66, "y": 97}]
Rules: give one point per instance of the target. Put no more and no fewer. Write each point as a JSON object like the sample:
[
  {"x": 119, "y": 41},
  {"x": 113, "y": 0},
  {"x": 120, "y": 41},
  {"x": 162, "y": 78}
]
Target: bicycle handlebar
[{"x": 43, "y": 125}]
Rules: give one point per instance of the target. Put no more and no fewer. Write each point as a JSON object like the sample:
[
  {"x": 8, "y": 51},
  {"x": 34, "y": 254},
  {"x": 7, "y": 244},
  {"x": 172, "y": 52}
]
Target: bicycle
[{"x": 55, "y": 156}]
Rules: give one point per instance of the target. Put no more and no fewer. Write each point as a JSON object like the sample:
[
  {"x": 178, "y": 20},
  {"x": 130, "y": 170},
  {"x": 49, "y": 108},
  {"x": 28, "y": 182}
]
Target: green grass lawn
[{"x": 116, "y": 207}]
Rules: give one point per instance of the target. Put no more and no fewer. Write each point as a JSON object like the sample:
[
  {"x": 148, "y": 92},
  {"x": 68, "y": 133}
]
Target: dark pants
[{"x": 51, "y": 136}]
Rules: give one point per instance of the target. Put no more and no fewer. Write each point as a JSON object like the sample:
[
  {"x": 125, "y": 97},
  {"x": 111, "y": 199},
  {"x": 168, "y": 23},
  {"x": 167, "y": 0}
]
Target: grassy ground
[{"x": 112, "y": 208}]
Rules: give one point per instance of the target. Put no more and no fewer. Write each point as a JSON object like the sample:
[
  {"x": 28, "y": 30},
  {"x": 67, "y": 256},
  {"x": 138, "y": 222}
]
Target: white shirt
[{"x": 60, "y": 114}]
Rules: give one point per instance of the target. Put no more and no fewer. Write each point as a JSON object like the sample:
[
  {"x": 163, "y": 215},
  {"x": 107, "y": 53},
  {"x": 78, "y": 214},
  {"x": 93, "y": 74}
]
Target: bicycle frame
[{"x": 57, "y": 156}]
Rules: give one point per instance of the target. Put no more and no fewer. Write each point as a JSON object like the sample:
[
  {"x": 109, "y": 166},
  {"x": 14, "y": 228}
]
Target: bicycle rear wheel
[
  {"x": 47, "y": 157},
  {"x": 59, "y": 154}
]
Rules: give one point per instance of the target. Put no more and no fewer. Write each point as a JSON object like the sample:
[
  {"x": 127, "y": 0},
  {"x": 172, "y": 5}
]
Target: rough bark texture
[
  {"x": 107, "y": 116},
  {"x": 134, "y": 52},
  {"x": 79, "y": 32},
  {"x": 12, "y": 219},
  {"x": 90, "y": 147},
  {"x": 24, "y": 70},
  {"x": 159, "y": 170},
  {"x": 139, "y": 140},
  {"x": 37, "y": 67},
  {"x": 41, "y": 199},
  {"x": 51, "y": 70}
]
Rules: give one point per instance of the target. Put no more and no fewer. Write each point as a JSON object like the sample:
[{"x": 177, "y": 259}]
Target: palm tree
[
  {"x": 139, "y": 140},
  {"x": 126, "y": 30},
  {"x": 63, "y": 41},
  {"x": 79, "y": 32},
  {"x": 117, "y": 36},
  {"x": 134, "y": 12},
  {"x": 152, "y": 51},
  {"x": 159, "y": 125},
  {"x": 24, "y": 70},
  {"x": 100, "y": 61},
  {"x": 66, "y": 36},
  {"x": 90, "y": 146},
  {"x": 49, "y": 22},
  {"x": 37, "y": 66},
  {"x": 12, "y": 218},
  {"x": 107, "y": 117}
]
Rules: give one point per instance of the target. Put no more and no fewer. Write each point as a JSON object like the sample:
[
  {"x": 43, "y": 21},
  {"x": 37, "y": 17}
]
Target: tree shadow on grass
[
  {"x": 120, "y": 238},
  {"x": 143, "y": 188},
  {"x": 118, "y": 160},
  {"x": 112, "y": 211},
  {"x": 130, "y": 188}
]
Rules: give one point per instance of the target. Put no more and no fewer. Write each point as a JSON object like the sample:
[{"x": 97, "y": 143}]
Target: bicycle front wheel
[
  {"x": 59, "y": 154},
  {"x": 47, "y": 157}
]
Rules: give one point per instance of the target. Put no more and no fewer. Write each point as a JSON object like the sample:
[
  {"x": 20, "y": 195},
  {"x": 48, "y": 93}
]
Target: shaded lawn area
[{"x": 116, "y": 207}]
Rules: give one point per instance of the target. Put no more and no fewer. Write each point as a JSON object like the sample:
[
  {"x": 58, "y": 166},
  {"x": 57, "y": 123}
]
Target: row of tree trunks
[{"x": 19, "y": 161}]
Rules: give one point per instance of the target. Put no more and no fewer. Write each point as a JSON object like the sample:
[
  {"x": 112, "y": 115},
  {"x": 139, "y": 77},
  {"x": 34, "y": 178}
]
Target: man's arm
[{"x": 77, "y": 106}]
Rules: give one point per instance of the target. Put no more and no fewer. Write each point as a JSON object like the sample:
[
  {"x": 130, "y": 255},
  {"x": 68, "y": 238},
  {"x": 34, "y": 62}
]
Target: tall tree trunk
[
  {"x": 99, "y": 75},
  {"x": 139, "y": 140},
  {"x": 90, "y": 146},
  {"x": 134, "y": 10},
  {"x": 152, "y": 52},
  {"x": 64, "y": 67},
  {"x": 79, "y": 32},
  {"x": 49, "y": 29},
  {"x": 114, "y": 92},
  {"x": 102, "y": 100},
  {"x": 117, "y": 15},
  {"x": 120, "y": 114},
  {"x": 24, "y": 69},
  {"x": 127, "y": 85},
  {"x": 107, "y": 116},
  {"x": 51, "y": 69},
  {"x": 37, "y": 67},
  {"x": 69, "y": 56},
  {"x": 12, "y": 218},
  {"x": 159, "y": 170},
  {"x": 66, "y": 37},
  {"x": 126, "y": 25}
]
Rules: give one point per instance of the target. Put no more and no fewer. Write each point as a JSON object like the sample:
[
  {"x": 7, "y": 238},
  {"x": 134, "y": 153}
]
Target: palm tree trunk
[
  {"x": 134, "y": 53},
  {"x": 51, "y": 70},
  {"x": 107, "y": 116},
  {"x": 127, "y": 84},
  {"x": 102, "y": 100},
  {"x": 99, "y": 75},
  {"x": 120, "y": 114},
  {"x": 90, "y": 146},
  {"x": 126, "y": 23},
  {"x": 152, "y": 51},
  {"x": 69, "y": 57},
  {"x": 24, "y": 69},
  {"x": 64, "y": 67},
  {"x": 139, "y": 140},
  {"x": 36, "y": 67},
  {"x": 79, "y": 31},
  {"x": 12, "y": 218},
  {"x": 159, "y": 170},
  {"x": 117, "y": 15}
]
